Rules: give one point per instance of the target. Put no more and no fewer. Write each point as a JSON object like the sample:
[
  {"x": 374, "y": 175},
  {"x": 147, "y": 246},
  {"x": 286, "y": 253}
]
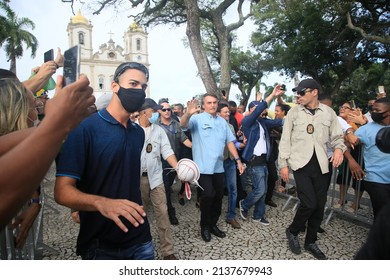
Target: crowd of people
[{"x": 112, "y": 159}]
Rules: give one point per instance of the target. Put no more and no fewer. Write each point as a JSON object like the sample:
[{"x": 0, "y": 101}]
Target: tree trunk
[
  {"x": 224, "y": 47},
  {"x": 195, "y": 41},
  {"x": 12, "y": 66}
]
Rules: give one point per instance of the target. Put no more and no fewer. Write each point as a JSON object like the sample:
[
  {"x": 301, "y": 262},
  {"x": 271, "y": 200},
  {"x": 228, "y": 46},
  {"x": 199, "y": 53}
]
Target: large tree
[
  {"x": 363, "y": 84},
  {"x": 313, "y": 37},
  {"x": 247, "y": 71},
  {"x": 13, "y": 35},
  {"x": 193, "y": 13}
]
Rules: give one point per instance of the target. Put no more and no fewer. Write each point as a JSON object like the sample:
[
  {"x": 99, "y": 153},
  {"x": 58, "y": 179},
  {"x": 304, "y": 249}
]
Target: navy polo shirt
[{"x": 104, "y": 157}]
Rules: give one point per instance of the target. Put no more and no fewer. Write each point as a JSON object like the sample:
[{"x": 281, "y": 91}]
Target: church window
[
  {"x": 81, "y": 38},
  {"x": 138, "y": 44},
  {"x": 111, "y": 55},
  {"x": 101, "y": 82}
]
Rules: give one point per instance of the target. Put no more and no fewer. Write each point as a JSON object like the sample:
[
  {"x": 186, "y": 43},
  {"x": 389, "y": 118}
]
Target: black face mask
[
  {"x": 131, "y": 98},
  {"x": 377, "y": 117}
]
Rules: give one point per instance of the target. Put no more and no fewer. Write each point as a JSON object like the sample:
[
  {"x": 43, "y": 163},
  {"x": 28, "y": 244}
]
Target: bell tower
[
  {"x": 80, "y": 33},
  {"x": 136, "y": 44}
]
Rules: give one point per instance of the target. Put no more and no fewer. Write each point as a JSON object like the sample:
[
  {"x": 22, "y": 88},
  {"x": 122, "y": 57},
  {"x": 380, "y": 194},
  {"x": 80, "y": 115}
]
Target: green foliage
[
  {"x": 13, "y": 35},
  {"x": 247, "y": 71},
  {"x": 362, "y": 85},
  {"x": 312, "y": 37}
]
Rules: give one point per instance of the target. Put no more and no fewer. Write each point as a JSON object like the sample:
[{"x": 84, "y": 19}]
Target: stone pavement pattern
[{"x": 253, "y": 241}]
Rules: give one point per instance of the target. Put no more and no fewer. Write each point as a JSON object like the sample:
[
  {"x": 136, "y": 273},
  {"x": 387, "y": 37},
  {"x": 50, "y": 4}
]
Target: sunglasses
[
  {"x": 166, "y": 109},
  {"x": 304, "y": 91}
]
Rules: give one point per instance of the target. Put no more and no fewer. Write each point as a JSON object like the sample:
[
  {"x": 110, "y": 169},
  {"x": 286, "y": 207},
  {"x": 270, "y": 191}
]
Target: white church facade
[{"x": 100, "y": 66}]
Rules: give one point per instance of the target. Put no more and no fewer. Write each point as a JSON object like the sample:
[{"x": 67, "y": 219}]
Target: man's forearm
[
  {"x": 10, "y": 140},
  {"x": 33, "y": 157},
  {"x": 184, "y": 120}
]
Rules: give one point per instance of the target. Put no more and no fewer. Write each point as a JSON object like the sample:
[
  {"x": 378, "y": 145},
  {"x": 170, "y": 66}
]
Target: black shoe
[
  {"x": 313, "y": 249},
  {"x": 217, "y": 232},
  {"x": 321, "y": 230},
  {"x": 293, "y": 242},
  {"x": 205, "y": 233},
  {"x": 271, "y": 203},
  {"x": 174, "y": 221}
]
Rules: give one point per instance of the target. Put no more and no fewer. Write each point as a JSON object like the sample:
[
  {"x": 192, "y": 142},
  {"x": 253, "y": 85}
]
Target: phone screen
[
  {"x": 71, "y": 65},
  {"x": 48, "y": 56}
]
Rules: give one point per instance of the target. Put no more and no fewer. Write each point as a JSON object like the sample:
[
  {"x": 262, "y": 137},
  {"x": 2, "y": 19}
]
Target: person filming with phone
[{"x": 19, "y": 177}]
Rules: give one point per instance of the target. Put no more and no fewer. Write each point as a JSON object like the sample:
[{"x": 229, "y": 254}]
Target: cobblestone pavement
[{"x": 342, "y": 239}]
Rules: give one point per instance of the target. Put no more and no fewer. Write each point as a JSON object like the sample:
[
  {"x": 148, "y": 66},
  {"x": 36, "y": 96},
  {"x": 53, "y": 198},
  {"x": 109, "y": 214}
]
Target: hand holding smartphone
[
  {"x": 48, "y": 56},
  {"x": 71, "y": 65}
]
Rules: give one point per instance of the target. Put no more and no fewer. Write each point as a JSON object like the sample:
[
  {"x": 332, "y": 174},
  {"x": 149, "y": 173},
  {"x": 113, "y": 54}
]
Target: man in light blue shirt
[
  {"x": 210, "y": 134},
  {"x": 377, "y": 179}
]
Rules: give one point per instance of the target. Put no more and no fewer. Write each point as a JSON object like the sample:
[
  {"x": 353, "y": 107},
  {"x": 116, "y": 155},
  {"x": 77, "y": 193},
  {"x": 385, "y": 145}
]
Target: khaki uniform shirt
[{"x": 299, "y": 141}]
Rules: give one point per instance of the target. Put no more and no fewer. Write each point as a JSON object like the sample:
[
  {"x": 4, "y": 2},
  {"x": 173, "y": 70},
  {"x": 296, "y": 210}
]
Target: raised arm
[
  {"x": 192, "y": 108},
  {"x": 24, "y": 166}
]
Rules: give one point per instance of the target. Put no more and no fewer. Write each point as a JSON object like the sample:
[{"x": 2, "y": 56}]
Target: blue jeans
[
  {"x": 258, "y": 175},
  {"x": 231, "y": 183},
  {"x": 144, "y": 251}
]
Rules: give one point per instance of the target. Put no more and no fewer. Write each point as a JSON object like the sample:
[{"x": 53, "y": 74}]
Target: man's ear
[{"x": 115, "y": 87}]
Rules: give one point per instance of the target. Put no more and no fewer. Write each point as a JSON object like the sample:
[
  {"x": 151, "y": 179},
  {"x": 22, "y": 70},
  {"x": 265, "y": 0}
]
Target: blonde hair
[{"x": 14, "y": 106}]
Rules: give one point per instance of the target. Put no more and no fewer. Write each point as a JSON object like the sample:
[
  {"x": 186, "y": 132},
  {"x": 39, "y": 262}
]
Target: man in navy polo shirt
[{"x": 98, "y": 174}]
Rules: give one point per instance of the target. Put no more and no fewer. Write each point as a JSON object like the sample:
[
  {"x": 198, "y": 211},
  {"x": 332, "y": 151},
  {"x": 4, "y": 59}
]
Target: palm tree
[{"x": 13, "y": 35}]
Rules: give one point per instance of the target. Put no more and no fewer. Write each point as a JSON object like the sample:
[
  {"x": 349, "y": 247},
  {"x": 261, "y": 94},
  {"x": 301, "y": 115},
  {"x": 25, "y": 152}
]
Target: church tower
[
  {"x": 136, "y": 44},
  {"x": 80, "y": 33},
  {"x": 100, "y": 66}
]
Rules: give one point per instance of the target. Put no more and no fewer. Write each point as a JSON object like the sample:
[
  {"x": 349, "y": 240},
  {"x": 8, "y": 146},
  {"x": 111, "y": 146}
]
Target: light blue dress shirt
[{"x": 209, "y": 138}]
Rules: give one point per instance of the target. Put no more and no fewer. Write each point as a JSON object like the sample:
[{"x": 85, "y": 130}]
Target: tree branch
[{"x": 374, "y": 38}]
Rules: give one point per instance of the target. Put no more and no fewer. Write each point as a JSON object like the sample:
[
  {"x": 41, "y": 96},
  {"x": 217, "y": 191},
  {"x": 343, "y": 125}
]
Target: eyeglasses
[
  {"x": 166, "y": 109},
  {"x": 345, "y": 108},
  {"x": 304, "y": 91}
]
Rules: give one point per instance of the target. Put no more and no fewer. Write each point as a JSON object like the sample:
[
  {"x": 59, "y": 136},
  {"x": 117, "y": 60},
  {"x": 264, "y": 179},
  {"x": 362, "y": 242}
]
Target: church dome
[
  {"x": 79, "y": 18},
  {"x": 135, "y": 27}
]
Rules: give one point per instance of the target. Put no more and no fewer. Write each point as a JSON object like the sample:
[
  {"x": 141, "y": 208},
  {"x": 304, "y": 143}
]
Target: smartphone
[
  {"x": 223, "y": 93},
  {"x": 353, "y": 105},
  {"x": 381, "y": 89},
  {"x": 48, "y": 56},
  {"x": 283, "y": 87},
  {"x": 71, "y": 65}
]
